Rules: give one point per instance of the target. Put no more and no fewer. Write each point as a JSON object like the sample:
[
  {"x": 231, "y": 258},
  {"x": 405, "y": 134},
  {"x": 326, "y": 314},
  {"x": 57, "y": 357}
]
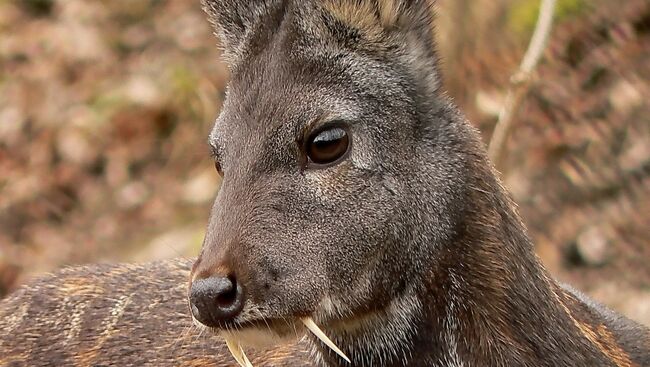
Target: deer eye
[{"x": 327, "y": 146}]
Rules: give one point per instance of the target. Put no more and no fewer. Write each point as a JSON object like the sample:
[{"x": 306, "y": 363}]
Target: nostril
[
  {"x": 216, "y": 299},
  {"x": 229, "y": 296}
]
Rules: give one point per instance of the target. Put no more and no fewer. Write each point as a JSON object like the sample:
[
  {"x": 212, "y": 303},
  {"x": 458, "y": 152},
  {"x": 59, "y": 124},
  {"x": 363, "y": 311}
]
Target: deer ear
[
  {"x": 235, "y": 20},
  {"x": 406, "y": 25},
  {"x": 377, "y": 18}
]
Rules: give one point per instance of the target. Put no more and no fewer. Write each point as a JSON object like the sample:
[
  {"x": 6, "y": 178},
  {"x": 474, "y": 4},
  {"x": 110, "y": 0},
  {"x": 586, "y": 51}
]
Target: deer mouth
[{"x": 263, "y": 333}]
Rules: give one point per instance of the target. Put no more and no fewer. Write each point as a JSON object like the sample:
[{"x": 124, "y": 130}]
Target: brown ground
[{"x": 105, "y": 107}]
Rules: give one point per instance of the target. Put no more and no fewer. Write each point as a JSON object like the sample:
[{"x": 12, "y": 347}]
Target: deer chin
[
  {"x": 258, "y": 334},
  {"x": 258, "y": 337},
  {"x": 261, "y": 334}
]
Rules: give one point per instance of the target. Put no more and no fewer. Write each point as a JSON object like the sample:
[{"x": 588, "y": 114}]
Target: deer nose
[{"x": 216, "y": 300}]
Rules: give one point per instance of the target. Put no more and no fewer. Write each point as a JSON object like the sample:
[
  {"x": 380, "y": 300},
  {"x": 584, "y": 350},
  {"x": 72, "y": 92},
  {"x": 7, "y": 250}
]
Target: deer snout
[{"x": 216, "y": 300}]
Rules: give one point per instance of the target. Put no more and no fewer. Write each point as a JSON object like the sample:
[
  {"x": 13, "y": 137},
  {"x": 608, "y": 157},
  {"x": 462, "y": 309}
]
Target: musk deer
[{"x": 357, "y": 204}]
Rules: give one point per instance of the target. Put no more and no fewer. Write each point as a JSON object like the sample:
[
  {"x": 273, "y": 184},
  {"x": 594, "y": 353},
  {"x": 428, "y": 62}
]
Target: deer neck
[{"x": 485, "y": 300}]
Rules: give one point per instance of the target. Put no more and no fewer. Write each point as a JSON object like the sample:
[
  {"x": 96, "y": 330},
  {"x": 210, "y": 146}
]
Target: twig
[{"x": 520, "y": 81}]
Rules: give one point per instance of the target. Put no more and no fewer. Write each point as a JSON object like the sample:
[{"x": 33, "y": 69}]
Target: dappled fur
[
  {"x": 408, "y": 252},
  {"x": 114, "y": 315}
]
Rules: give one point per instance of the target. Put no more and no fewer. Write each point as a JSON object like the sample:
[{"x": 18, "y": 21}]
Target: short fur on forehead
[{"x": 239, "y": 23}]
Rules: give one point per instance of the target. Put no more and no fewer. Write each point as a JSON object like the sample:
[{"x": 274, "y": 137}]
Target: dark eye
[
  {"x": 217, "y": 166},
  {"x": 327, "y": 146}
]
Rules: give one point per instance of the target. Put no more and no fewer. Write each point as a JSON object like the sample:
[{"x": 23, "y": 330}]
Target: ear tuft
[
  {"x": 389, "y": 11},
  {"x": 374, "y": 17}
]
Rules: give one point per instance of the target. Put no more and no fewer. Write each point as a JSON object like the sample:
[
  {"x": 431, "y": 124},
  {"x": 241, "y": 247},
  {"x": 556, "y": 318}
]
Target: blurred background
[{"x": 105, "y": 109}]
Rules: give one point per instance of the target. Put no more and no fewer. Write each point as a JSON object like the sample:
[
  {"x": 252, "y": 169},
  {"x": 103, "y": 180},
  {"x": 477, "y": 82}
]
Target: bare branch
[{"x": 520, "y": 81}]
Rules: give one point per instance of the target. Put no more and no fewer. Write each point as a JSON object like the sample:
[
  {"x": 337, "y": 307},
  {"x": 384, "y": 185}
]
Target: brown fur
[
  {"x": 370, "y": 19},
  {"x": 133, "y": 315},
  {"x": 408, "y": 251}
]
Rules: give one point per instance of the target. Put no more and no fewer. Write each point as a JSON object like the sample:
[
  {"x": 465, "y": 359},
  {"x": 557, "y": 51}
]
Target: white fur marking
[
  {"x": 451, "y": 327},
  {"x": 14, "y": 320},
  {"x": 74, "y": 327}
]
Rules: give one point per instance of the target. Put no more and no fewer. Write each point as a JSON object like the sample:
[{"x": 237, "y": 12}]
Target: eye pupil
[
  {"x": 217, "y": 166},
  {"x": 328, "y": 146}
]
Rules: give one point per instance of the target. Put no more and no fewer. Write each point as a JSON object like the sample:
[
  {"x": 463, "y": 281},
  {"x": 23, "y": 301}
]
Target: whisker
[
  {"x": 264, "y": 318},
  {"x": 295, "y": 330},
  {"x": 183, "y": 337},
  {"x": 291, "y": 325}
]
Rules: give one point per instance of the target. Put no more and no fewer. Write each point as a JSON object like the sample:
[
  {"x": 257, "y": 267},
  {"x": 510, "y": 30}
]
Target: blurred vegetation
[
  {"x": 37, "y": 7},
  {"x": 105, "y": 108},
  {"x": 522, "y": 16}
]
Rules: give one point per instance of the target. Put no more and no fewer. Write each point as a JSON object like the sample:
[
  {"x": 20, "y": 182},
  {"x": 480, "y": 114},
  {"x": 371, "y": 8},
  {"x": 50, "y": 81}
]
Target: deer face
[{"x": 327, "y": 173}]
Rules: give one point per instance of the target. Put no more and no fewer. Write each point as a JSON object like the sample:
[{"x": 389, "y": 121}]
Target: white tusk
[
  {"x": 311, "y": 325},
  {"x": 238, "y": 353},
  {"x": 235, "y": 350},
  {"x": 247, "y": 363}
]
